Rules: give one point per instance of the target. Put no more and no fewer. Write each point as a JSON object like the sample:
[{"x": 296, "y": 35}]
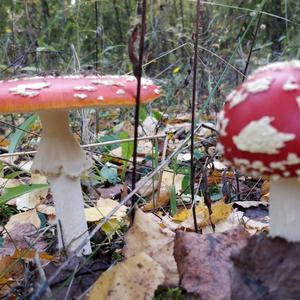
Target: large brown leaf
[
  {"x": 266, "y": 269},
  {"x": 204, "y": 263}
]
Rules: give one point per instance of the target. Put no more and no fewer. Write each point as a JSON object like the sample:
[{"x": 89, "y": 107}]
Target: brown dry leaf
[
  {"x": 215, "y": 177},
  {"x": 145, "y": 235},
  {"x": 111, "y": 192},
  {"x": 11, "y": 269},
  {"x": 135, "y": 278},
  {"x": 180, "y": 118},
  {"x": 27, "y": 217},
  {"x": 23, "y": 235},
  {"x": 267, "y": 268},
  {"x": 4, "y": 142},
  {"x": 29, "y": 255},
  {"x": 204, "y": 262},
  {"x": 164, "y": 199},
  {"x": 265, "y": 190}
]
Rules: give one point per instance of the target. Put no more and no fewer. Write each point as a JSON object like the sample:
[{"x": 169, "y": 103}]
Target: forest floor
[{"x": 142, "y": 260}]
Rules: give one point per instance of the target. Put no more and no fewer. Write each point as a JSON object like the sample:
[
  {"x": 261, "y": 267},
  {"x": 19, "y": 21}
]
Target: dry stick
[
  {"x": 192, "y": 182},
  {"x": 155, "y": 201},
  {"x": 137, "y": 72},
  {"x": 42, "y": 274},
  {"x": 39, "y": 291},
  {"x": 92, "y": 145},
  {"x": 97, "y": 35},
  {"x": 71, "y": 283}
]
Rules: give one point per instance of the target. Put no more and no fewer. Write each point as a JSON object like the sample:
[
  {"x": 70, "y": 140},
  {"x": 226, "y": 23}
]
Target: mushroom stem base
[
  {"x": 71, "y": 222},
  {"x": 285, "y": 209}
]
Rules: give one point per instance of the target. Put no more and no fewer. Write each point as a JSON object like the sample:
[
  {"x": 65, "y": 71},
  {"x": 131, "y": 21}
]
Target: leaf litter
[{"x": 150, "y": 241}]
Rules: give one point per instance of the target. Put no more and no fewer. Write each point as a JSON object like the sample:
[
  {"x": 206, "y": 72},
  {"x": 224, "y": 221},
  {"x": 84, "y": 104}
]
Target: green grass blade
[
  {"x": 16, "y": 137},
  {"x": 11, "y": 193}
]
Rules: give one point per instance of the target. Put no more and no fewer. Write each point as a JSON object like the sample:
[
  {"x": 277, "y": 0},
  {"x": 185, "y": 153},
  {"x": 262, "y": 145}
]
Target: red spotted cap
[
  {"x": 73, "y": 92},
  {"x": 260, "y": 123}
]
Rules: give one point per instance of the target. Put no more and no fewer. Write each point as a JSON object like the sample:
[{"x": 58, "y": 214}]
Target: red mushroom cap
[
  {"x": 72, "y": 92},
  {"x": 259, "y": 125}
]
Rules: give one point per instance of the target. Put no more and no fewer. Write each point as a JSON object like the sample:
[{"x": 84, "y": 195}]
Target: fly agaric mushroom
[
  {"x": 59, "y": 156},
  {"x": 260, "y": 135}
]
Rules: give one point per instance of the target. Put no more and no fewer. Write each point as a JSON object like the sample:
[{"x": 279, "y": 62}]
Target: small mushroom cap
[
  {"x": 72, "y": 92},
  {"x": 259, "y": 125}
]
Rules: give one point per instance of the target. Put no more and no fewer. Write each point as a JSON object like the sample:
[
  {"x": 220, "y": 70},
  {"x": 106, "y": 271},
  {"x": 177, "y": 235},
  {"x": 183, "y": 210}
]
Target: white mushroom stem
[
  {"x": 285, "y": 209},
  {"x": 71, "y": 223},
  {"x": 61, "y": 160}
]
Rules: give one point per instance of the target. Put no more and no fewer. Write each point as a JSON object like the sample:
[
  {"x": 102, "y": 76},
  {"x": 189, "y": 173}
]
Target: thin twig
[
  {"x": 42, "y": 274},
  {"x": 192, "y": 165},
  {"x": 138, "y": 74}
]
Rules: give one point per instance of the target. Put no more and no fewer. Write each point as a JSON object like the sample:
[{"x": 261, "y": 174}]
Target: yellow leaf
[
  {"x": 104, "y": 207},
  {"x": 111, "y": 226},
  {"x": 176, "y": 70},
  {"x": 135, "y": 278},
  {"x": 220, "y": 212},
  {"x": 182, "y": 215}
]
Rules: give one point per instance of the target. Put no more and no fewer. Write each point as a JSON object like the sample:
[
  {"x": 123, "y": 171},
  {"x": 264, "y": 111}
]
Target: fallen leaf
[
  {"x": 11, "y": 269},
  {"x": 265, "y": 190},
  {"x": 145, "y": 235},
  {"x": 148, "y": 126},
  {"x": 32, "y": 199},
  {"x": 148, "y": 188},
  {"x": 135, "y": 278},
  {"x": 164, "y": 199},
  {"x": 4, "y": 143},
  {"x": 234, "y": 220},
  {"x": 204, "y": 263},
  {"x": 27, "y": 217},
  {"x": 220, "y": 212},
  {"x": 46, "y": 209},
  {"x": 111, "y": 192},
  {"x": 167, "y": 180},
  {"x": 267, "y": 268},
  {"x": 103, "y": 208},
  {"x": 248, "y": 204},
  {"x": 112, "y": 226},
  {"x": 22, "y": 236},
  {"x": 257, "y": 225}
]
